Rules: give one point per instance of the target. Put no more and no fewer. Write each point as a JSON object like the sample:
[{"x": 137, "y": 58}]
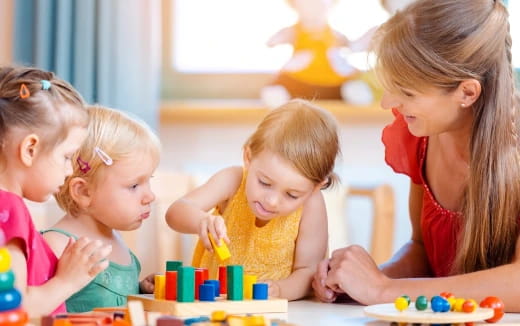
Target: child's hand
[
  {"x": 274, "y": 289},
  {"x": 81, "y": 261},
  {"x": 147, "y": 285},
  {"x": 215, "y": 225},
  {"x": 322, "y": 291}
]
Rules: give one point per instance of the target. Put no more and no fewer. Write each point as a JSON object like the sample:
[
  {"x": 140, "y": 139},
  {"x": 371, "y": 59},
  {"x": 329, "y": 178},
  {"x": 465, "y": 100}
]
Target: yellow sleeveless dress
[{"x": 267, "y": 252}]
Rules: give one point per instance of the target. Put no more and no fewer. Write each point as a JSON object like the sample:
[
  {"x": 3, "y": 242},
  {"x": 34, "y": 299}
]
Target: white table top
[{"x": 308, "y": 312}]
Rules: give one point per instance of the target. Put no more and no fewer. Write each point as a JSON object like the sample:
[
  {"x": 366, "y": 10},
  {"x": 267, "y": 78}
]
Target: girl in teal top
[
  {"x": 109, "y": 288},
  {"x": 108, "y": 191}
]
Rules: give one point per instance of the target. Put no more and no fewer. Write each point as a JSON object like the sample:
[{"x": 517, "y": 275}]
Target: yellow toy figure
[{"x": 316, "y": 69}]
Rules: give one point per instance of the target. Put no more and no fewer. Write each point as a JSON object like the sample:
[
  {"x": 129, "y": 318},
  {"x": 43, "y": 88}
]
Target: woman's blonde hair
[
  {"x": 442, "y": 43},
  {"x": 39, "y": 102},
  {"x": 114, "y": 133},
  {"x": 303, "y": 134}
]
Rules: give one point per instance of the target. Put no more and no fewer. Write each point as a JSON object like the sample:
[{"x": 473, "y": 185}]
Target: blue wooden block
[
  {"x": 260, "y": 291},
  {"x": 216, "y": 285},
  {"x": 206, "y": 292}
]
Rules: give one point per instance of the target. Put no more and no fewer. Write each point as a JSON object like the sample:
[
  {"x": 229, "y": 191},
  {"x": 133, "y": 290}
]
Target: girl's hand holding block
[{"x": 221, "y": 250}]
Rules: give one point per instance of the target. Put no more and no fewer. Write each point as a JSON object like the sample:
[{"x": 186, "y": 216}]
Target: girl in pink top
[
  {"x": 42, "y": 123},
  {"x": 446, "y": 68}
]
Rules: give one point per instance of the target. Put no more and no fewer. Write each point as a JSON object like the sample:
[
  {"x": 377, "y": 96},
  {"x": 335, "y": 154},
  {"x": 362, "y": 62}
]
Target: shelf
[{"x": 252, "y": 111}]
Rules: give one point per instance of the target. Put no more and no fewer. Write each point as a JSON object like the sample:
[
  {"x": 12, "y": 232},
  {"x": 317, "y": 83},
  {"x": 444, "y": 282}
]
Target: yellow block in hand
[{"x": 222, "y": 250}]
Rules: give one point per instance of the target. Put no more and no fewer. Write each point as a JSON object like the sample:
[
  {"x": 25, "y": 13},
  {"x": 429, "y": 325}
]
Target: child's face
[
  {"x": 122, "y": 196},
  {"x": 274, "y": 187},
  {"x": 50, "y": 169}
]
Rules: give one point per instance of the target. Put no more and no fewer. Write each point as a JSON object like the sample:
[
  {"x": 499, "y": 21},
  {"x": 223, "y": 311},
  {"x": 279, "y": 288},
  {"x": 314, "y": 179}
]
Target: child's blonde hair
[
  {"x": 303, "y": 134},
  {"x": 116, "y": 134},
  {"x": 38, "y": 101}
]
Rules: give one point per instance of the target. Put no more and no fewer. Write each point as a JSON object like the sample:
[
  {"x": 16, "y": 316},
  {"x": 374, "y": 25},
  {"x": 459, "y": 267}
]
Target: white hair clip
[{"x": 103, "y": 156}]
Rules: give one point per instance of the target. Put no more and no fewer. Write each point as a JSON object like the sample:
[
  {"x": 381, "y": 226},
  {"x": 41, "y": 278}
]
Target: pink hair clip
[{"x": 83, "y": 166}]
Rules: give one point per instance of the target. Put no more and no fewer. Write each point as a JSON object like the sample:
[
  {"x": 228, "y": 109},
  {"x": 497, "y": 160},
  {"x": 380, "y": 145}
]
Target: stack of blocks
[
  {"x": 178, "y": 289},
  {"x": 187, "y": 284},
  {"x": 11, "y": 312}
]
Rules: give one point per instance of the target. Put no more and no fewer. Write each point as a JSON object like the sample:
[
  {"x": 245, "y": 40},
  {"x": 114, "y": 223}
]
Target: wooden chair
[{"x": 382, "y": 201}]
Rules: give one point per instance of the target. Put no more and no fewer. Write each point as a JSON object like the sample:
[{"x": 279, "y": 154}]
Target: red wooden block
[
  {"x": 222, "y": 277},
  {"x": 199, "y": 279},
  {"x": 171, "y": 285}
]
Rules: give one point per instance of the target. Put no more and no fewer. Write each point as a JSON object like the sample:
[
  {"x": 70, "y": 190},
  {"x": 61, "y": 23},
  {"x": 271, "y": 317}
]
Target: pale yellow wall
[{"x": 6, "y": 28}]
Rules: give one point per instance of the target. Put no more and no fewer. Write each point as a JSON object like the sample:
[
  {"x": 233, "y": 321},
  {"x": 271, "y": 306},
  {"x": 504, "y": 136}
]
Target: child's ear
[
  {"x": 79, "y": 190},
  {"x": 28, "y": 149},
  {"x": 247, "y": 157}
]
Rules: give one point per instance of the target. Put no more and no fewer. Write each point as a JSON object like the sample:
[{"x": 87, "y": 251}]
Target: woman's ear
[
  {"x": 469, "y": 91},
  {"x": 28, "y": 149},
  {"x": 80, "y": 192},
  {"x": 246, "y": 156}
]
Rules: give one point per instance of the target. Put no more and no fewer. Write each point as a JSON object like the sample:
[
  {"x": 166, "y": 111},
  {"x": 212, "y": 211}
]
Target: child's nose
[{"x": 149, "y": 197}]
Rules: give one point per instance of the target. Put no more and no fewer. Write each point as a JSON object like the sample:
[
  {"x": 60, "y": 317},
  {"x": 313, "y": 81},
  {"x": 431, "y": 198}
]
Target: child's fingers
[
  {"x": 100, "y": 254},
  {"x": 203, "y": 235},
  {"x": 220, "y": 230},
  {"x": 98, "y": 268}
]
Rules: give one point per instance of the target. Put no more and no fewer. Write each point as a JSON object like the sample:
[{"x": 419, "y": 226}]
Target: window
[{"x": 217, "y": 45}]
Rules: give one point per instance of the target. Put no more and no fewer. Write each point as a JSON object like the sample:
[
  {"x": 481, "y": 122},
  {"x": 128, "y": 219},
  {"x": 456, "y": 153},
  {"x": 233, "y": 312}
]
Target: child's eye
[
  {"x": 292, "y": 196},
  {"x": 263, "y": 183},
  {"x": 134, "y": 186}
]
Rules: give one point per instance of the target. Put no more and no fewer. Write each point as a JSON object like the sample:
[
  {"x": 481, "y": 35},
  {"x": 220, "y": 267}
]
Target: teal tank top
[{"x": 110, "y": 288}]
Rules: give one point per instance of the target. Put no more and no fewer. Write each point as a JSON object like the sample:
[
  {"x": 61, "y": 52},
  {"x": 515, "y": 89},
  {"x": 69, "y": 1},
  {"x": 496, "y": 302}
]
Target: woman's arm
[{"x": 311, "y": 246}]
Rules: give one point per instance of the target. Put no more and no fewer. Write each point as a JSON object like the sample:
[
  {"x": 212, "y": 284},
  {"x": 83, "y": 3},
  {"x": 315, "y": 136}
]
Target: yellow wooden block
[
  {"x": 159, "y": 290},
  {"x": 222, "y": 251},
  {"x": 249, "y": 280}
]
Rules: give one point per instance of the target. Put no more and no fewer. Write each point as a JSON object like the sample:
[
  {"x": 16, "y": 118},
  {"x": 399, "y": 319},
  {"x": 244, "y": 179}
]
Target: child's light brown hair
[
  {"x": 116, "y": 134},
  {"x": 303, "y": 134}
]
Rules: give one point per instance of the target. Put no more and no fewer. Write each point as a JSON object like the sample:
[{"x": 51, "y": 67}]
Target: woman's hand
[
  {"x": 82, "y": 260},
  {"x": 215, "y": 225},
  {"x": 354, "y": 272},
  {"x": 321, "y": 291}
]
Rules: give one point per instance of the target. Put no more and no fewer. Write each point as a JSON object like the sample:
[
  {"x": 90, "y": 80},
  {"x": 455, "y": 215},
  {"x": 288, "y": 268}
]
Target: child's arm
[
  {"x": 80, "y": 263},
  {"x": 311, "y": 246},
  {"x": 190, "y": 214}
]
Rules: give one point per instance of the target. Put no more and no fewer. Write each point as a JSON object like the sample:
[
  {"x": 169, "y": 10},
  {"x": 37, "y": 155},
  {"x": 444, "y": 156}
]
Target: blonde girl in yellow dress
[{"x": 270, "y": 211}]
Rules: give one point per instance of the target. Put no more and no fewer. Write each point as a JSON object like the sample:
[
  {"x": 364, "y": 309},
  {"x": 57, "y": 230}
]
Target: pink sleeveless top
[{"x": 406, "y": 154}]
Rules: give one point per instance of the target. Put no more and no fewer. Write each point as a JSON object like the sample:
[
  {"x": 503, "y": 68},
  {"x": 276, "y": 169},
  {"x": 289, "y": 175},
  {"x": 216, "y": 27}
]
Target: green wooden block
[
  {"x": 173, "y": 265},
  {"x": 235, "y": 282},
  {"x": 186, "y": 284}
]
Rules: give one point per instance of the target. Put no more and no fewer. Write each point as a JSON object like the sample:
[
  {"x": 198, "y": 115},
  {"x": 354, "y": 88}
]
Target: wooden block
[
  {"x": 136, "y": 312},
  {"x": 188, "y": 309},
  {"x": 186, "y": 284},
  {"x": 388, "y": 312},
  {"x": 173, "y": 265},
  {"x": 235, "y": 282},
  {"x": 170, "y": 292},
  {"x": 222, "y": 278},
  {"x": 249, "y": 280},
  {"x": 160, "y": 286},
  {"x": 222, "y": 251}
]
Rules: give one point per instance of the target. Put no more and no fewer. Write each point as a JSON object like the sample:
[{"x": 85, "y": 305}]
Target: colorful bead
[{"x": 421, "y": 303}]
